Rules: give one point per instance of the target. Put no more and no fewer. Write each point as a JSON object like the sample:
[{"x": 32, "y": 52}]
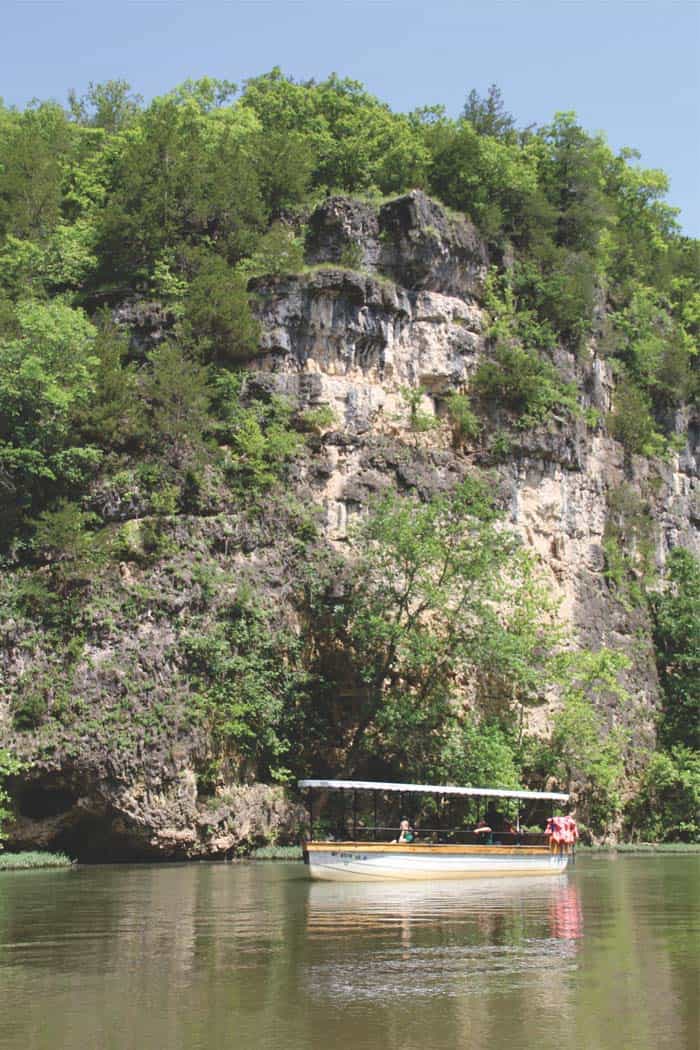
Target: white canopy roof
[{"x": 430, "y": 789}]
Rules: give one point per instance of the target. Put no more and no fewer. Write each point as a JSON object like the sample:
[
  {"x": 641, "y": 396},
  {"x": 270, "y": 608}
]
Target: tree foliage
[
  {"x": 440, "y": 594},
  {"x": 677, "y": 636}
]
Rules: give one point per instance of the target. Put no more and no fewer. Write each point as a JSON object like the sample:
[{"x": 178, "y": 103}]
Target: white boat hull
[{"x": 351, "y": 862}]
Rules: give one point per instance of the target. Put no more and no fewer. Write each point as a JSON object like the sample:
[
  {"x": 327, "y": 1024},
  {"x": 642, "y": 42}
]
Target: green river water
[{"x": 252, "y": 955}]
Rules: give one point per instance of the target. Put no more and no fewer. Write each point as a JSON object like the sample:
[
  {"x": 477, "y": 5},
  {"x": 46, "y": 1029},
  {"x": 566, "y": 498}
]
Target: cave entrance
[{"x": 38, "y": 800}]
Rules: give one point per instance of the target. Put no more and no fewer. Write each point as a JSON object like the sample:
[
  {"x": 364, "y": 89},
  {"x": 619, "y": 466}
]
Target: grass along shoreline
[
  {"x": 275, "y": 853},
  {"x": 34, "y": 859},
  {"x": 643, "y": 847}
]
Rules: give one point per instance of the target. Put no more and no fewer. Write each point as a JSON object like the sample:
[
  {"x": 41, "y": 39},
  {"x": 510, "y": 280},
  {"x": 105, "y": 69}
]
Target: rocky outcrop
[
  {"x": 411, "y": 240},
  {"x": 89, "y": 812}
]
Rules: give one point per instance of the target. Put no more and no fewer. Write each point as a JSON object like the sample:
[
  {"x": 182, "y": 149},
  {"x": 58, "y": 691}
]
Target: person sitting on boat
[
  {"x": 484, "y": 831},
  {"x": 406, "y": 833}
]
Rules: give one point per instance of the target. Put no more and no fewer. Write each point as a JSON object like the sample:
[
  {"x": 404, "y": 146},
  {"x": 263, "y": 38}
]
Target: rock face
[
  {"x": 85, "y": 813},
  {"x": 392, "y": 304},
  {"x": 352, "y": 342}
]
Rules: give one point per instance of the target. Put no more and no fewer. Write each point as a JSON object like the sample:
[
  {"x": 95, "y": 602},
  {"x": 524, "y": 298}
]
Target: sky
[{"x": 630, "y": 68}]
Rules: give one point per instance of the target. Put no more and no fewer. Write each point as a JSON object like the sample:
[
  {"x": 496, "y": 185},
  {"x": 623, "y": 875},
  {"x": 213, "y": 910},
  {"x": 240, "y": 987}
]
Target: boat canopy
[{"x": 429, "y": 789}]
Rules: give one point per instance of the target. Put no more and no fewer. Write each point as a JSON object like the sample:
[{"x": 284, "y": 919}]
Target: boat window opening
[{"x": 437, "y": 815}]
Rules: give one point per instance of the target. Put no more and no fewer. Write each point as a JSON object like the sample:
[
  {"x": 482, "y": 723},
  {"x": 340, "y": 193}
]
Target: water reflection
[{"x": 442, "y": 939}]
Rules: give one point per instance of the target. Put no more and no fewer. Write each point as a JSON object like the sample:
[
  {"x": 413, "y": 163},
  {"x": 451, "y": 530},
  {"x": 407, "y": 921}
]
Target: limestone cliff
[{"x": 393, "y": 299}]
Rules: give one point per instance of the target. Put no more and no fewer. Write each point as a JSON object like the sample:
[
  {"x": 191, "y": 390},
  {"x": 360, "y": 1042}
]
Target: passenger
[
  {"x": 406, "y": 833},
  {"x": 494, "y": 818},
  {"x": 484, "y": 830}
]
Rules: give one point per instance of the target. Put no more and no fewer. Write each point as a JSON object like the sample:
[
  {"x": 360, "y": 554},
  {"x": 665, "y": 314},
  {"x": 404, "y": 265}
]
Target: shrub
[
  {"x": 259, "y": 436},
  {"x": 419, "y": 421},
  {"x": 10, "y": 765},
  {"x": 21, "y": 861},
  {"x": 525, "y": 383},
  {"x": 217, "y": 312},
  {"x": 61, "y": 534},
  {"x": 279, "y": 252},
  {"x": 317, "y": 419},
  {"x": 465, "y": 423},
  {"x": 30, "y": 711},
  {"x": 631, "y": 422},
  {"x": 667, "y": 806},
  {"x": 351, "y": 256}
]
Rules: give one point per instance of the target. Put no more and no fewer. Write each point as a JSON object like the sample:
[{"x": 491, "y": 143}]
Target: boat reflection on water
[
  {"x": 441, "y": 938},
  {"x": 566, "y": 916},
  {"x": 336, "y": 905}
]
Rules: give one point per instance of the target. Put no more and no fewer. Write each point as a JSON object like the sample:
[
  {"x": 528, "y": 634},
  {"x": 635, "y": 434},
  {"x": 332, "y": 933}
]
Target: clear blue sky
[{"x": 628, "y": 67}]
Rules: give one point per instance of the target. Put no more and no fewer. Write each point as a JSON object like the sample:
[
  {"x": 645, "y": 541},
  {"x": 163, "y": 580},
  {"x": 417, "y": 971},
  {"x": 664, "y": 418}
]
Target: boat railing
[{"x": 439, "y": 836}]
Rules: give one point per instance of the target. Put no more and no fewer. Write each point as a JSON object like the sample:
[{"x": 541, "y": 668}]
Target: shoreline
[
  {"x": 34, "y": 860},
  {"x": 37, "y": 860}
]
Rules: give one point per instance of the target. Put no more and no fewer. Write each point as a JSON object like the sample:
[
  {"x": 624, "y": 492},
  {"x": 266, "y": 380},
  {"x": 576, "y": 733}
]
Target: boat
[{"x": 441, "y": 852}]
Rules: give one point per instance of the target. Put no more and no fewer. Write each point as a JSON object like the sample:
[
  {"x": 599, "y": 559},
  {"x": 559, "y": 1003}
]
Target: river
[{"x": 251, "y": 955}]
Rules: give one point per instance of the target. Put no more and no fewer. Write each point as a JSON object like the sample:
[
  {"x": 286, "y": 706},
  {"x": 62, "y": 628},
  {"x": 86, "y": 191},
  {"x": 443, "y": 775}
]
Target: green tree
[
  {"x": 279, "y": 252},
  {"x": 494, "y": 181},
  {"x": 631, "y": 420},
  {"x": 113, "y": 418},
  {"x": 181, "y": 176},
  {"x": 246, "y": 671},
  {"x": 667, "y": 807},
  {"x": 284, "y": 162},
  {"x": 440, "y": 594},
  {"x": 47, "y": 377},
  {"x": 676, "y": 612},
  {"x": 587, "y": 754},
  {"x": 178, "y": 394},
  {"x": 487, "y": 114},
  {"x": 112, "y": 106},
  {"x": 217, "y": 311},
  {"x": 355, "y": 140},
  {"x": 35, "y": 150}
]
